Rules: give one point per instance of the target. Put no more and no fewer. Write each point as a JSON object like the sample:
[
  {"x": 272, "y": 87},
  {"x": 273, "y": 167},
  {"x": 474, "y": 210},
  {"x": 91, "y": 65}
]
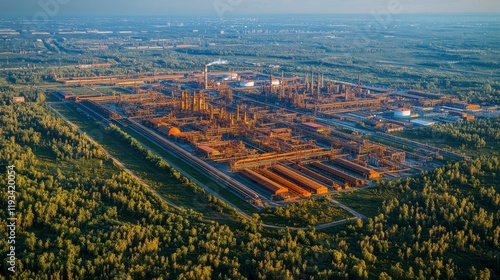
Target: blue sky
[{"x": 238, "y": 7}]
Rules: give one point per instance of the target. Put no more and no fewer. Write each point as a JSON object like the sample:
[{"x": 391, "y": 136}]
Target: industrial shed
[{"x": 207, "y": 152}]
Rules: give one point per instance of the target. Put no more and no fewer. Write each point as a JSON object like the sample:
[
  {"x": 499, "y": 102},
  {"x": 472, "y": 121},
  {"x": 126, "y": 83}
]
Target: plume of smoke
[{"x": 218, "y": 62}]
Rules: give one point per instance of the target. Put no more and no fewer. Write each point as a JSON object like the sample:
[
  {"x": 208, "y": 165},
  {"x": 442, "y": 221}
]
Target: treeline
[
  {"x": 79, "y": 217},
  {"x": 30, "y": 95},
  {"x": 30, "y": 126},
  {"x": 472, "y": 135},
  {"x": 438, "y": 217}
]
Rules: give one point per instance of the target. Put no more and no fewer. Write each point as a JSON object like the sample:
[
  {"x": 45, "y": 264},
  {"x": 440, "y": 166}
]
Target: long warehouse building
[
  {"x": 290, "y": 185},
  {"x": 346, "y": 178},
  {"x": 315, "y": 175},
  {"x": 271, "y": 186},
  {"x": 365, "y": 171},
  {"x": 303, "y": 181}
]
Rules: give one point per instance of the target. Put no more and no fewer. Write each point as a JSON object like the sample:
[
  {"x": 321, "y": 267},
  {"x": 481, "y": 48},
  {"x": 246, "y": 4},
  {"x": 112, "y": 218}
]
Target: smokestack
[
  {"x": 359, "y": 79},
  {"x": 319, "y": 85},
  {"x": 312, "y": 82},
  {"x": 206, "y": 76},
  {"x": 307, "y": 81}
]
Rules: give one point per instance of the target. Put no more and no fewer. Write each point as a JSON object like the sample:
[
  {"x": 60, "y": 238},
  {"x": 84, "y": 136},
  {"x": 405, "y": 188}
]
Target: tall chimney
[
  {"x": 312, "y": 82},
  {"x": 307, "y": 81},
  {"x": 319, "y": 85},
  {"x": 206, "y": 76}
]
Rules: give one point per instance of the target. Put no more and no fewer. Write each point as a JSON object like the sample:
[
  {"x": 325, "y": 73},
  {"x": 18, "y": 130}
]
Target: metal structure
[{"x": 268, "y": 131}]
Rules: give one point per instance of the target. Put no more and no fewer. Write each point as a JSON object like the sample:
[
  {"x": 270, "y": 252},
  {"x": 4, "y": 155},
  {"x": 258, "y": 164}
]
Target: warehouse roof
[
  {"x": 313, "y": 125},
  {"x": 207, "y": 149}
]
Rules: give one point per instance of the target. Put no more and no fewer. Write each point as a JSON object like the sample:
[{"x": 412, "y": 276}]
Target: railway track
[
  {"x": 98, "y": 117},
  {"x": 415, "y": 144},
  {"x": 245, "y": 192}
]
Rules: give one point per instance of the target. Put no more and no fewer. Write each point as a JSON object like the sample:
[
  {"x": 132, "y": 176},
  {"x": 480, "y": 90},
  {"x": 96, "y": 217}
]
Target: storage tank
[
  {"x": 402, "y": 113},
  {"x": 247, "y": 84},
  {"x": 169, "y": 130}
]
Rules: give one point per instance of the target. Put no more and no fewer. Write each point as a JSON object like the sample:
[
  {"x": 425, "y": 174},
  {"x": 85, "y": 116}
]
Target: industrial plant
[{"x": 277, "y": 138}]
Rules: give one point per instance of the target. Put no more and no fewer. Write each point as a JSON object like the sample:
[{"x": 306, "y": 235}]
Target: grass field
[
  {"x": 367, "y": 202},
  {"x": 79, "y": 90},
  {"x": 306, "y": 213}
]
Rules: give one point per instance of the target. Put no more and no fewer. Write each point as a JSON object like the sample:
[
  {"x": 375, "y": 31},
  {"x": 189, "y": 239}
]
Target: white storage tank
[
  {"x": 402, "y": 113},
  {"x": 247, "y": 84}
]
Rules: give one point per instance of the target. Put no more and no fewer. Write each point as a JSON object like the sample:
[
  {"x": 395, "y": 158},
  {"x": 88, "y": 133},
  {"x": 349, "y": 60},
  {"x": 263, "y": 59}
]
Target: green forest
[{"x": 82, "y": 217}]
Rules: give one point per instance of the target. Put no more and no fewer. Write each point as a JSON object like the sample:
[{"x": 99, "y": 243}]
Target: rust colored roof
[
  {"x": 207, "y": 149},
  {"x": 279, "y": 130},
  {"x": 155, "y": 121},
  {"x": 313, "y": 125}
]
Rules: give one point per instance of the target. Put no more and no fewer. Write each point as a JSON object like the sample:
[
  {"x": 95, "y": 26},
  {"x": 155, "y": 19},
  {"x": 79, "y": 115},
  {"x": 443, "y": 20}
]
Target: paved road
[{"x": 348, "y": 209}]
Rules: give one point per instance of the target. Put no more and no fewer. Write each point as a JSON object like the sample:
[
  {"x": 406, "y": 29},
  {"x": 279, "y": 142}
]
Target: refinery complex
[{"x": 277, "y": 138}]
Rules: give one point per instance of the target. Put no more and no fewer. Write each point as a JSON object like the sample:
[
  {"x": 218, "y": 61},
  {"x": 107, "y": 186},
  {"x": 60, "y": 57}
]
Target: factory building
[
  {"x": 207, "y": 152},
  {"x": 464, "y": 106},
  {"x": 359, "y": 169},
  {"x": 314, "y": 127}
]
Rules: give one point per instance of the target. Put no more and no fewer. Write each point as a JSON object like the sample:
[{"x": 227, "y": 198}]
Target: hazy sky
[{"x": 30, "y": 8}]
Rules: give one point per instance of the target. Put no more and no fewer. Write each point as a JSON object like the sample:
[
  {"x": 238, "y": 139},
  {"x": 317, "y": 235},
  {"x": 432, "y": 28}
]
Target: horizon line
[{"x": 235, "y": 15}]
